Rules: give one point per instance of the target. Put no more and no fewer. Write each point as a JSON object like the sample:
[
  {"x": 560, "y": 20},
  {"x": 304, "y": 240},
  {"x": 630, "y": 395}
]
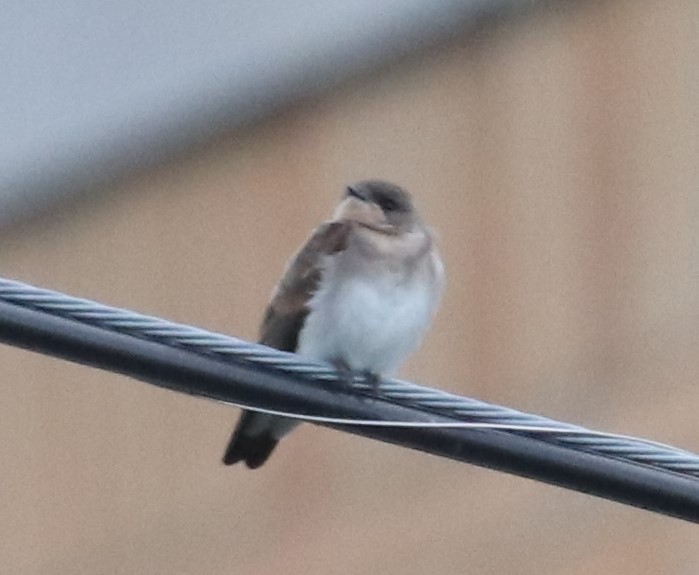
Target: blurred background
[{"x": 168, "y": 156}]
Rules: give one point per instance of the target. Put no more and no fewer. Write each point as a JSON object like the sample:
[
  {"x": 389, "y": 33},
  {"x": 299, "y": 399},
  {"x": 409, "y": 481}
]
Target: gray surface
[{"x": 92, "y": 90}]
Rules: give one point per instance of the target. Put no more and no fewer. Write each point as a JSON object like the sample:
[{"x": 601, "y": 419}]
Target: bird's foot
[
  {"x": 348, "y": 376},
  {"x": 345, "y": 375},
  {"x": 373, "y": 379}
]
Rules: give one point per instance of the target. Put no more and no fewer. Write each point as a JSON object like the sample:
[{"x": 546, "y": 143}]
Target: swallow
[{"x": 359, "y": 294}]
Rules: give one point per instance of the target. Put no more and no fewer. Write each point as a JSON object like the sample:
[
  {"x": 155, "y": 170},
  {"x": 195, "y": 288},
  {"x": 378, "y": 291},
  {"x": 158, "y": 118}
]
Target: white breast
[{"x": 370, "y": 314}]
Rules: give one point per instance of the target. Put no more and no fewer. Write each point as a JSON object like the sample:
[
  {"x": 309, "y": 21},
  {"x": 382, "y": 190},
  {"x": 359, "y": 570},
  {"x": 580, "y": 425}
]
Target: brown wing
[
  {"x": 281, "y": 325},
  {"x": 288, "y": 309}
]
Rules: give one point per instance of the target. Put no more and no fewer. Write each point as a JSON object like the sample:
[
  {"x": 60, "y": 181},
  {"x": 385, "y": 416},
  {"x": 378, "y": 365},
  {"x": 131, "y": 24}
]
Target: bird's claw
[{"x": 347, "y": 377}]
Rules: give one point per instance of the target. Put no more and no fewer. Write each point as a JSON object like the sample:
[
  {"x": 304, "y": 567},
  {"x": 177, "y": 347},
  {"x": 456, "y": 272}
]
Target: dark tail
[{"x": 254, "y": 450}]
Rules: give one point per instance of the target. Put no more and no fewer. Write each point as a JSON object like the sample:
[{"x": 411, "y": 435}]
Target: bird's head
[{"x": 379, "y": 205}]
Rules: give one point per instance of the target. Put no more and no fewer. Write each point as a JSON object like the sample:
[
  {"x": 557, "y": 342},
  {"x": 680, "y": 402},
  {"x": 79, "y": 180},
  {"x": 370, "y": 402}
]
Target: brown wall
[{"x": 558, "y": 158}]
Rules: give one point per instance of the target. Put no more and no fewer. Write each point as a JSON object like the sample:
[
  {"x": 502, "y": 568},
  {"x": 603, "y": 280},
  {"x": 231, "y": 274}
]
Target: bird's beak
[
  {"x": 355, "y": 207},
  {"x": 354, "y": 192}
]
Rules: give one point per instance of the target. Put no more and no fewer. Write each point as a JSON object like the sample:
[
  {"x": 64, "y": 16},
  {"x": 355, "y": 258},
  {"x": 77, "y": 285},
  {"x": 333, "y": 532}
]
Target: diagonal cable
[{"x": 30, "y": 328}]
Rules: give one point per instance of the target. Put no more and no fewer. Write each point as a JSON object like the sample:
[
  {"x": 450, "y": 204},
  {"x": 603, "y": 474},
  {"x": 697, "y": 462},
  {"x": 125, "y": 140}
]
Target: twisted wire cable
[
  {"x": 462, "y": 408},
  {"x": 438, "y": 406}
]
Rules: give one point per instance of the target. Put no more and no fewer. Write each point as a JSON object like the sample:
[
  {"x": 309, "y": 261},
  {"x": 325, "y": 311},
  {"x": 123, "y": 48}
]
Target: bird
[{"x": 360, "y": 294}]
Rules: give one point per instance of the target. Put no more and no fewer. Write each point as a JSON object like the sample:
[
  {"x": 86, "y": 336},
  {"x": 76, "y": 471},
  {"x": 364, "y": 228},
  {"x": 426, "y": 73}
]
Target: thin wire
[
  {"x": 310, "y": 418},
  {"x": 441, "y": 404}
]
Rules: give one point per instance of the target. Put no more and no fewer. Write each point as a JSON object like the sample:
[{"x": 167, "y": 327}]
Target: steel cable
[{"x": 435, "y": 405}]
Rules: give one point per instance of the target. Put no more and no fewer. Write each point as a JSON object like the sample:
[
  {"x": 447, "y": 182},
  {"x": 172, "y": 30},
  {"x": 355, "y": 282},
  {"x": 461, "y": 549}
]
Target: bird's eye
[{"x": 388, "y": 205}]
